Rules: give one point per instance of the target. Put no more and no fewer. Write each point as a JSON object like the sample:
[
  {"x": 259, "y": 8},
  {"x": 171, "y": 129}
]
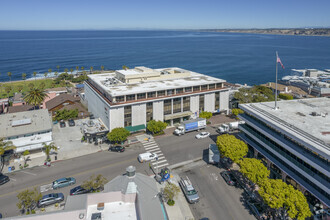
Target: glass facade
[
  {"x": 127, "y": 116},
  {"x": 161, "y": 93},
  {"x": 204, "y": 87},
  {"x": 120, "y": 99},
  {"x": 130, "y": 97},
  {"x": 149, "y": 111},
  {"x": 212, "y": 86},
  {"x": 151, "y": 94},
  {"x": 197, "y": 88},
  {"x": 141, "y": 96},
  {"x": 170, "y": 92},
  {"x": 188, "y": 89},
  {"x": 176, "y": 105},
  {"x": 167, "y": 107},
  {"x": 217, "y": 101},
  {"x": 201, "y": 103},
  {"x": 179, "y": 91},
  {"x": 186, "y": 103}
]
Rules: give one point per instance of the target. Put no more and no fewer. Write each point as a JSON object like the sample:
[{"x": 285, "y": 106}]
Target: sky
[{"x": 162, "y": 14}]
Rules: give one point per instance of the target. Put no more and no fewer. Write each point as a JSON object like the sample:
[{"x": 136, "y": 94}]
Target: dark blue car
[{"x": 78, "y": 190}]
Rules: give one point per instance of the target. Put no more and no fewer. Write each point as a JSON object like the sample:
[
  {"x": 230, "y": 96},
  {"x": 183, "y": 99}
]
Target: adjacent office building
[
  {"x": 293, "y": 141},
  {"x": 130, "y": 98}
]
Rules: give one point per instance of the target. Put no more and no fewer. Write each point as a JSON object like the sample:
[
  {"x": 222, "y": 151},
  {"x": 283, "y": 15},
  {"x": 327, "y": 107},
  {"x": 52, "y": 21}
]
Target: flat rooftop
[
  {"x": 109, "y": 83},
  {"x": 307, "y": 119},
  {"x": 20, "y": 123}
]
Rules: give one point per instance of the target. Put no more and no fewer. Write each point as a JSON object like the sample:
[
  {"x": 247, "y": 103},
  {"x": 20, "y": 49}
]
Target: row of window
[
  {"x": 321, "y": 191},
  {"x": 168, "y": 92},
  {"x": 27, "y": 135}
]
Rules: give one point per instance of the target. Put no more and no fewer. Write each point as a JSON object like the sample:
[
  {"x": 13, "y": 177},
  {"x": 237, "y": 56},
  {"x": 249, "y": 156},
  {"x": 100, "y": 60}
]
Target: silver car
[
  {"x": 50, "y": 199},
  {"x": 188, "y": 190},
  {"x": 63, "y": 182}
]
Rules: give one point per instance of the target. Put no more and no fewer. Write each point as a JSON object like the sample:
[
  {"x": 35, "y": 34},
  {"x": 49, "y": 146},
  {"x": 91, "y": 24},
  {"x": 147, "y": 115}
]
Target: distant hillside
[{"x": 289, "y": 31}]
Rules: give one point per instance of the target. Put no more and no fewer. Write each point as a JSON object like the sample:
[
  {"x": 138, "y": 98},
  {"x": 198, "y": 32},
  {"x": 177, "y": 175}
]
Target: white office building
[{"x": 130, "y": 98}]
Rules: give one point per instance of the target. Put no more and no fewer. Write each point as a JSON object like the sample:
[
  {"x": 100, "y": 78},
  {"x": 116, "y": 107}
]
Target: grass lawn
[{"x": 24, "y": 86}]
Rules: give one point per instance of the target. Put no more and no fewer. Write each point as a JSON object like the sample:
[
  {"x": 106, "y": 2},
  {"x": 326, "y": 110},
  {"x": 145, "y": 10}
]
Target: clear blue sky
[{"x": 161, "y": 14}]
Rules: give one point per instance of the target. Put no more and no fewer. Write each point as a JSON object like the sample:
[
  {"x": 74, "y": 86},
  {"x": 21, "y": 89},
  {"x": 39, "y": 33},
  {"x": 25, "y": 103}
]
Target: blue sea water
[{"x": 235, "y": 57}]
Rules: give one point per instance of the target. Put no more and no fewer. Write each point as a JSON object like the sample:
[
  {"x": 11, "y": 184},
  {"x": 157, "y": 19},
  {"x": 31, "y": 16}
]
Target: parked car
[
  {"x": 147, "y": 157},
  {"x": 50, "y": 199},
  {"x": 71, "y": 123},
  {"x": 229, "y": 178},
  {"x": 202, "y": 135},
  {"x": 78, "y": 190},
  {"x": 63, "y": 182},
  {"x": 3, "y": 179},
  {"x": 188, "y": 190},
  {"x": 117, "y": 148},
  {"x": 62, "y": 124}
]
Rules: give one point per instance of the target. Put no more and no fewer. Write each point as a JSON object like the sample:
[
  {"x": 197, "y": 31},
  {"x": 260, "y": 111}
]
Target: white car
[
  {"x": 147, "y": 157},
  {"x": 202, "y": 135}
]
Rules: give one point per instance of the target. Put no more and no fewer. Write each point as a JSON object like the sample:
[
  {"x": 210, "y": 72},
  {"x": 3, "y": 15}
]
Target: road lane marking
[
  {"x": 156, "y": 151},
  {"x": 73, "y": 175},
  {"x": 150, "y": 144},
  {"x": 13, "y": 179},
  {"x": 149, "y": 148},
  {"x": 162, "y": 165},
  {"x": 45, "y": 188},
  {"x": 28, "y": 173},
  {"x": 162, "y": 161}
]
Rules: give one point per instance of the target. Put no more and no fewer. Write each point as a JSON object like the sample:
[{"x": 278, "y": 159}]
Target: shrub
[
  {"x": 33, "y": 212},
  {"x": 285, "y": 96},
  {"x": 170, "y": 202}
]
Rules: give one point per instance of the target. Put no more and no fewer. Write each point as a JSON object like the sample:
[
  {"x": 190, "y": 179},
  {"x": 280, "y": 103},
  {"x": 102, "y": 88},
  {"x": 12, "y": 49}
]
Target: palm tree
[
  {"x": 24, "y": 77},
  {"x": 77, "y": 68},
  {"x": 56, "y": 73},
  {"x": 9, "y": 74},
  {"x": 58, "y": 68},
  {"x": 102, "y": 68},
  {"x": 35, "y": 97},
  {"x": 48, "y": 148},
  {"x": 91, "y": 69},
  {"x": 45, "y": 74},
  {"x": 66, "y": 70},
  {"x": 34, "y": 75},
  {"x": 71, "y": 70},
  {"x": 4, "y": 146}
]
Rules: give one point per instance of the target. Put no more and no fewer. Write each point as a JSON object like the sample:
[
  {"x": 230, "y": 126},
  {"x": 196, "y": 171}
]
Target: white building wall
[
  {"x": 139, "y": 114},
  {"x": 194, "y": 103},
  {"x": 158, "y": 110},
  {"x": 97, "y": 105},
  {"x": 209, "y": 102},
  {"x": 116, "y": 118},
  {"x": 224, "y": 101}
]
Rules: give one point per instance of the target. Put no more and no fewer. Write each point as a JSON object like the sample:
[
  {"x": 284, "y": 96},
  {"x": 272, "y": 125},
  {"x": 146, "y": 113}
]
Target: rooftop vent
[
  {"x": 315, "y": 114},
  {"x": 130, "y": 171},
  {"x": 96, "y": 216}
]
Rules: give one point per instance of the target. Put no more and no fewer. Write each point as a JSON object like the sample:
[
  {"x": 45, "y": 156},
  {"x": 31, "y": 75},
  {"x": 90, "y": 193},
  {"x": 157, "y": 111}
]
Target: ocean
[{"x": 235, "y": 57}]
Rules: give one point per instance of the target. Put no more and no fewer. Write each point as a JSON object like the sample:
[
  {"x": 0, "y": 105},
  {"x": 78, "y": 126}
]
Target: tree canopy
[
  {"x": 4, "y": 146},
  {"x": 285, "y": 96},
  {"x": 279, "y": 195},
  {"x": 118, "y": 135},
  {"x": 28, "y": 199},
  {"x": 35, "y": 96},
  {"x": 254, "y": 169},
  {"x": 254, "y": 94},
  {"x": 95, "y": 183},
  {"x": 206, "y": 115},
  {"x": 65, "y": 114},
  {"x": 237, "y": 111},
  {"x": 171, "y": 191},
  {"x": 231, "y": 147},
  {"x": 156, "y": 127},
  {"x": 48, "y": 148}
]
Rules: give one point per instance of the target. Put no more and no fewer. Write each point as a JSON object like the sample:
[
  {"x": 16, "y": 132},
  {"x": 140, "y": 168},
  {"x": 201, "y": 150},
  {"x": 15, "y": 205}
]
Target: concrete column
[
  {"x": 284, "y": 175},
  {"x": 181, "y": 104},
  {"x": 268, "y": 164},
  {"x": 172, "y": 108},
  {"x": 255, "y": 153}
]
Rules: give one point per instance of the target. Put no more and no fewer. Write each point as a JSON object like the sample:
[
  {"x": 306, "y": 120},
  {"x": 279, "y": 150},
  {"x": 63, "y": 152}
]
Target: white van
[{"x": 146, "y": 157}]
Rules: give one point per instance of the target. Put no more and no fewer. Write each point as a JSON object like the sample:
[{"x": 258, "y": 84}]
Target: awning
[
  {"x": 135, "y": 128},
  {"x": 177, "y": 115}
]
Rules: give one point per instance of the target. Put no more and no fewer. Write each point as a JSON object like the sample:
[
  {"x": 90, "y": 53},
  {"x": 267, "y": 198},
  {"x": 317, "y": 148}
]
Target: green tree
[
  {"x": 45, "y": 74},
  {"x": 49, "y": 70},
  {"x": 34, "y": 75},
  {"x": 206, "y": 115},
  {"x": 91, "y": 69},
  {"x": 284, "y": 198},
  {"x": 9, "y": 75},
  {"x": 20, "y": 87},
  {"x": 8, "y": 89},
  {"x": 5, "y": 146},
  {"x": 56, "y": 73},
  {"x": 170, "y": 192},
  {"x": 58, "y": 68},
  {"x": 254, "y": 169},
  {"x": 66, "y": 70},
  {"x": 77, "y": 69},
  {"x": 156, "y": 127},
  {"x": 285, "y": 96},
  {"x": 35, "y": 97},
  {"x": 95, "y": 183},
  {"x": 231, "y": 147},
  {"x": 28, "y": 199},
  {"x": 47, "y": 148},
  {"x": 102, "y": 68},
  {"x": 31, "y": 85},
  {"x": 237, "y": 111},
  {"x": 25, "y": 154},
  {"x": 125, "y": 67},
  {"x": 254, "y": 94},
  {"x": 66, "y": 114},
  {"x": 24, "y": 76},
  {"x": 71, "y": 70},
  {"x": 118, "y": 135},
  {"x": 82, "y": 68}
]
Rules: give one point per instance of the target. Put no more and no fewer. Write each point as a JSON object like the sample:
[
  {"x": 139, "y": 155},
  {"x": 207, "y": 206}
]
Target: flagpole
[{"x": 276, "y": 84}]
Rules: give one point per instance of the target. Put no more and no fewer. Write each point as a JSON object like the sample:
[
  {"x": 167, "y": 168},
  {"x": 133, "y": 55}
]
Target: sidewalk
[{"x": 181, "y": 209}]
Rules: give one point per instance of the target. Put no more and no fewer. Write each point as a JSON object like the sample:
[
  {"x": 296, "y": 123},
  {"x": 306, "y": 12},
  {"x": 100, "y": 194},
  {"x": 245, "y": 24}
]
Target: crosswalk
[{"x": 152, "y": 147}]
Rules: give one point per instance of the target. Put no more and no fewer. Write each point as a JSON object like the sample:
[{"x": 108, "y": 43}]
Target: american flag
[{"x": 279, "y": 61}]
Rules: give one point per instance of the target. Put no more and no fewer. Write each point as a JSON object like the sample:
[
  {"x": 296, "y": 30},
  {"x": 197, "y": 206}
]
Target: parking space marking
[
  {"x": 148, "y": 145},
  {"x": 28, "y": 173},
  {"x": 45, "y": 188}
]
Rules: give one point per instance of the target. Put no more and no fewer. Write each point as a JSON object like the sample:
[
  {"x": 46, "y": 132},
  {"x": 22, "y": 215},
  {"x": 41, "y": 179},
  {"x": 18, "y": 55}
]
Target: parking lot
[{"x": 217, "y": 199}]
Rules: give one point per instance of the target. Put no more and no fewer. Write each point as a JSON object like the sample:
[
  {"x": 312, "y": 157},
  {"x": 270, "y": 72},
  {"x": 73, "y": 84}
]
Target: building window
[
  {"x": 160, "y": 93},
  {"x": 217, "y": 101},
  {"x": 130, "y": 97},
  {"x": 141, "y": 96},
  {"x": 186, "y": 104},
  {"x": 149, "y": 111},
  {"x": 201, "y": 103},
  {"x": 212, "y": 86},
  {"x": 170, "y": 92},
  {"x": 204, "y": 87},
  {"x": 167, "y": 107},
  {"x": 188, "y": 89},
  {"x": 219, "y": 85},
  {"x": 120, "y": 99},
  {"x": 151, "y": 94},
  {"x": 127, "y": 116},
  {"x": 179, "y": 91},
  {"x": 176, "y": 105},
  {"x": 197, "y": 88}
]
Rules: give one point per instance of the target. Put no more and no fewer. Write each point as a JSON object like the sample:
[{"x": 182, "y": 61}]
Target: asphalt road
[{"x": 217, "y": 199}]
